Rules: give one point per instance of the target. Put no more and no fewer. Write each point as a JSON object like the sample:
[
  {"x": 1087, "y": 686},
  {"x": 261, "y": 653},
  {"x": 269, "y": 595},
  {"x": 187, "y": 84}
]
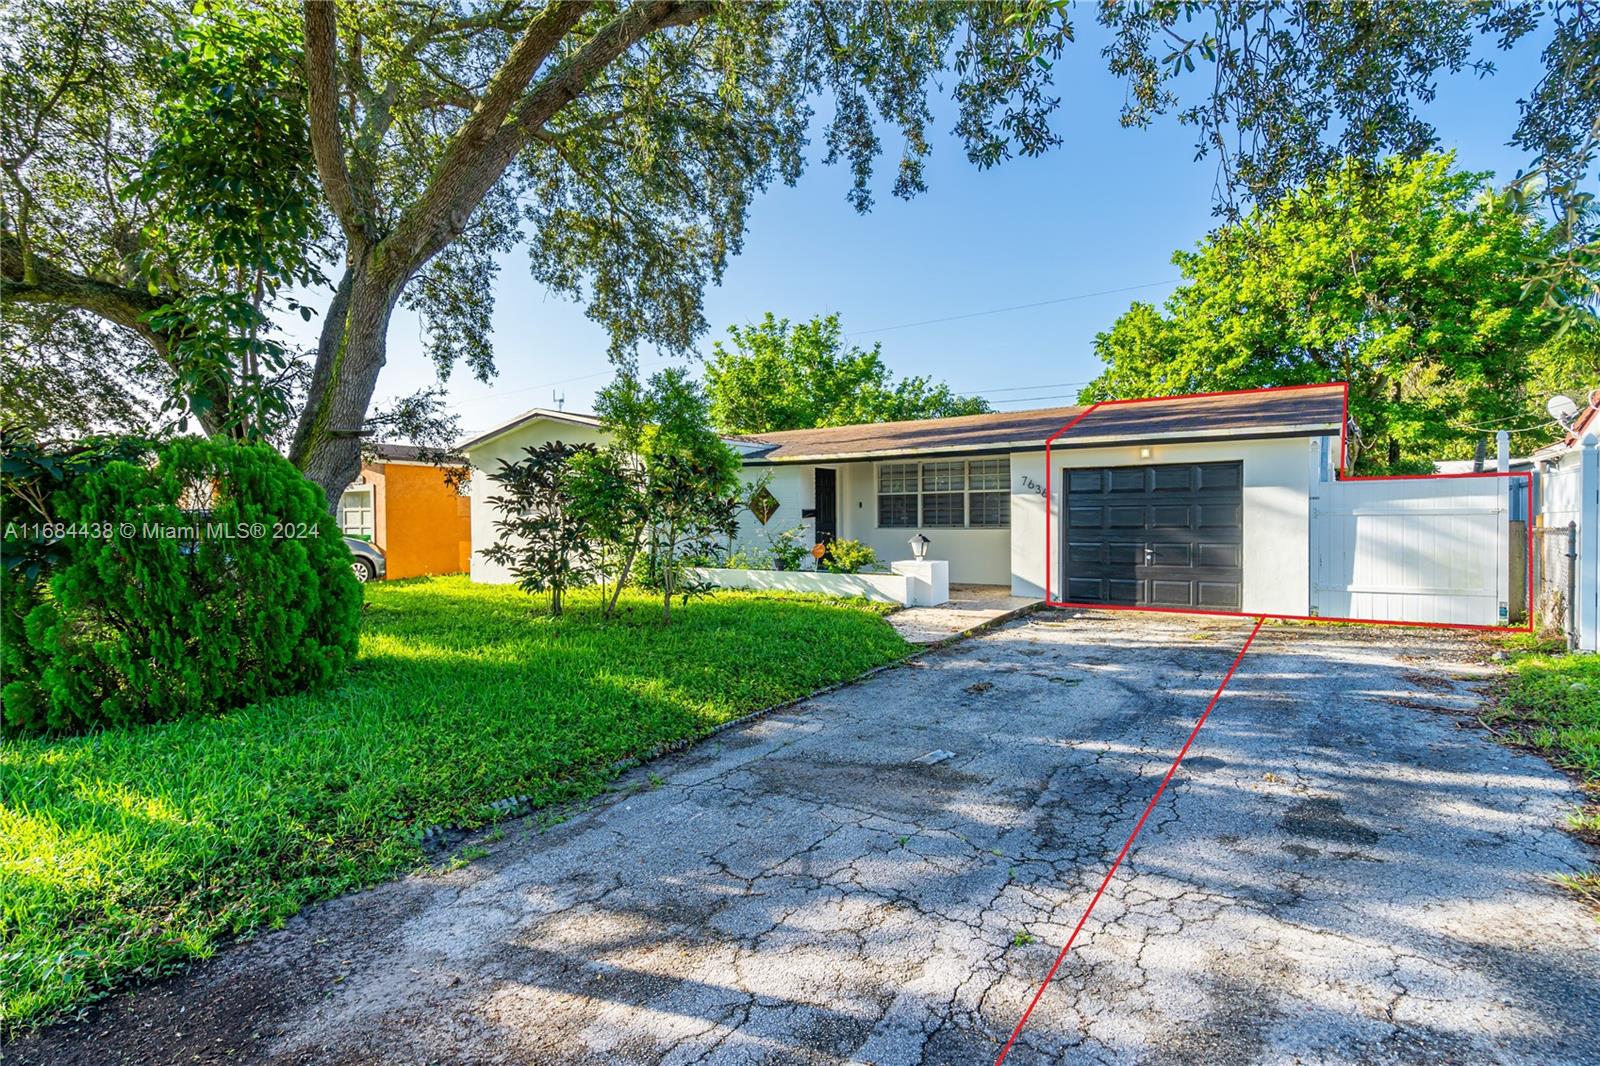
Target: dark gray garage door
[{"x": 1158, "y": 536}]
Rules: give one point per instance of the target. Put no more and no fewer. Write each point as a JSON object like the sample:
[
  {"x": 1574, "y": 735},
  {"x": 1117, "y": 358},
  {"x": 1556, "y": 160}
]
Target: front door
[{"x": 827, "y": 505}]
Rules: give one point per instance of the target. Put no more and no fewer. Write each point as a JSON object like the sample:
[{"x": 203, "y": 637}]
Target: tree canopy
[
  {"x": 775, "y": 375},
  {"x": 399, "y": 149},
  {"x": 1407, "y": 287}
]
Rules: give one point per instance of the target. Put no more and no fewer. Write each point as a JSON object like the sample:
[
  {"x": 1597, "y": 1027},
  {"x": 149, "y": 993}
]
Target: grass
[
  {"x": 1551, "y": 704},
  {"x": 125, "y": 853}
]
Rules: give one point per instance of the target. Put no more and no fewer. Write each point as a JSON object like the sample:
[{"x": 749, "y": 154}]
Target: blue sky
[{"x": 1104, "y": 211}]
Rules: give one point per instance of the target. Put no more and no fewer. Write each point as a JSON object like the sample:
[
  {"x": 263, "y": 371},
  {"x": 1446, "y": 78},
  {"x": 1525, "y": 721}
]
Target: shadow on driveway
[{"x": 1340, "y": 873}]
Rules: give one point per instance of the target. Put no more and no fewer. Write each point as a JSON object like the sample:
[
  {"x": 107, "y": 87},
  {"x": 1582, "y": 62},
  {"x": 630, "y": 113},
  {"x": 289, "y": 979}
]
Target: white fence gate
[{"x": 1411, "y": 550}]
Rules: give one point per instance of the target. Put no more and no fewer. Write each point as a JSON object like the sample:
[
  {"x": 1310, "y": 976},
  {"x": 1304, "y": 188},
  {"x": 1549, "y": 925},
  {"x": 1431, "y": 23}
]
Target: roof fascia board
[
  {"x": 527, "y": 417},
  {"x": 1319, "y": 429}
]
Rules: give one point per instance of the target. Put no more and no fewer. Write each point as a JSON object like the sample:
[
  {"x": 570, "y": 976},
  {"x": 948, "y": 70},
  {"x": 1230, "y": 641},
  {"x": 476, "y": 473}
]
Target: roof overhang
[
  {"x": 538, "y": 414},
  {"x": 1315, "y": 429}
]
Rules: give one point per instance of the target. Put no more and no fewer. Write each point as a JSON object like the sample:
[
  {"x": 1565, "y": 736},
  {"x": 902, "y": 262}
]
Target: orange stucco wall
[{"x": 422, "y": 525}]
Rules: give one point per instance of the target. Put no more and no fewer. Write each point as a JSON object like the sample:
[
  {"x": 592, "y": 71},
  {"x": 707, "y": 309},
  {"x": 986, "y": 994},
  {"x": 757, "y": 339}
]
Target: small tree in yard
[
  {"x": 542, "y": 540},
  {"x": 686, "y": 477},
  {"x": 693, "y": 512},
  {"x": 606, "y": 492}
]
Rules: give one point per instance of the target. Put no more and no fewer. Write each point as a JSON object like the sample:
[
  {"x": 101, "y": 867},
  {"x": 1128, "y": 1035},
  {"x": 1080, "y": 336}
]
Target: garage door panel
[
  {"x": 1173, "y": 478},
  {"x": 1081, "y": 554},
  {"x": 1220, "y": 516},
  {"x": 1223, "y": 555},
  {"x": 1171, "y": 516},
  {"x": 1172, "y": 555},
  {"x": 1172, "y": 593},
  {"x": 1167, "y": 535},
  {"x": 1084, "y": 480},
  {"x": 1086, "y": 589},
  {"x": 1124, "y": 554},
  {"x": 1086, "y": 517},
  {"x": 1219, "y": 476},
  {"x": 1124, "y": 591}
]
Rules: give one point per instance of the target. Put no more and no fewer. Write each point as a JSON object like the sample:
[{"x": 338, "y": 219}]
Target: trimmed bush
[
  {"x": 848, "y": 557},
  {"x": 210, "y": 577}
]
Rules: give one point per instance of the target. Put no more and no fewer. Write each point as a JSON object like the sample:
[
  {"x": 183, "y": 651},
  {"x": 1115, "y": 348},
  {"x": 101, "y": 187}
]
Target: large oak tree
[{"x": 622, "y": 144}]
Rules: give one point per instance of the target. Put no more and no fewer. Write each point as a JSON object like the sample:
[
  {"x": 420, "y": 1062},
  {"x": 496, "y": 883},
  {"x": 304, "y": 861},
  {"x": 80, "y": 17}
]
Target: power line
[
  {"x": 1020, "y": 388},
  {"x": 1013, "y": 307}
]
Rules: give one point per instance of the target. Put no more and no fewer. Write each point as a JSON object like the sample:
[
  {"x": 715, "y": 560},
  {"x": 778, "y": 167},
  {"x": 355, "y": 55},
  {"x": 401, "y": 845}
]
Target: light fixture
[
  {"x": 1144, "y": 453},
  {"x": 919, "y": 547}
]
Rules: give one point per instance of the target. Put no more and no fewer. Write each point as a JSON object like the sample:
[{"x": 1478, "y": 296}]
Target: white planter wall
[{"x": 884, "y": 588}]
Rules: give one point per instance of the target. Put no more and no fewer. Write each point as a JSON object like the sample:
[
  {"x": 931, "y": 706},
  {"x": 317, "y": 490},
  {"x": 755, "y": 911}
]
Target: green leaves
[
  {"x": 779, "y": 376},
  {"x": 201, "y": 580},
  {"x": 1406, "y": 283}
]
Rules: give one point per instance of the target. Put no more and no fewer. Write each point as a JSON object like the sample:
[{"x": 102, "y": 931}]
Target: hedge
[{"x": 207, "y": 577}]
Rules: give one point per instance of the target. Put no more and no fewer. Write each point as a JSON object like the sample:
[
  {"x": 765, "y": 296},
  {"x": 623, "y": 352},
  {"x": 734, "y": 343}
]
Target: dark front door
[
  {"x": 1157, "y": 536},
  {"x": 827, "y": 505}
]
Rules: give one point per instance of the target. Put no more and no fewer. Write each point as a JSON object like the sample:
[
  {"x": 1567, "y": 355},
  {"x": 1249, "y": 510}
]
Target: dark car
[{"x": 368, "y": 562}]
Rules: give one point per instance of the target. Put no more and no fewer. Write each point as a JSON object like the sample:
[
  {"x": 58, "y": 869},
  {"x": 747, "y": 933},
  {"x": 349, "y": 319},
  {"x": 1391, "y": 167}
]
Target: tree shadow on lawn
[
  {"x": 299, "y": 798},
  {"x": 804, "y": 892}
]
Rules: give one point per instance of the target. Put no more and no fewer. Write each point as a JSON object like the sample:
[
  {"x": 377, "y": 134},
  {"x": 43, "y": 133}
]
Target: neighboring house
[
  {"x": 1212, "y": 494},
  {"x": 1569, "y": 493},
  {"x": 406, "y": 507}
]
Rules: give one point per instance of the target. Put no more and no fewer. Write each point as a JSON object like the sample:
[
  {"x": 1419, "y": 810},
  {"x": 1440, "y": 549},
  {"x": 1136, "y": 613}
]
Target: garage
[{"x": 1166, "y": 535}]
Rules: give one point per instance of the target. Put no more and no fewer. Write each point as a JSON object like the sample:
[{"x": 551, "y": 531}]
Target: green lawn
[
  {"x": 126, "y": 852},
  {"x": 1552, "y": 704}
]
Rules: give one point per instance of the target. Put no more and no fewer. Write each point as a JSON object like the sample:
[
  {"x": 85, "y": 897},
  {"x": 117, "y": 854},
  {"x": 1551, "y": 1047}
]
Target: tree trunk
[
  {"x": 666, "y": 584},
  {"x": 622, "y": 577},
  {"x": 555, "y": 601},
  {"x": 350, "y": 353}
]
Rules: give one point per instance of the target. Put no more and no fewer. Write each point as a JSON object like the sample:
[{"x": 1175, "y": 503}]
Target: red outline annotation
[{"x": 1339, "y": 474}]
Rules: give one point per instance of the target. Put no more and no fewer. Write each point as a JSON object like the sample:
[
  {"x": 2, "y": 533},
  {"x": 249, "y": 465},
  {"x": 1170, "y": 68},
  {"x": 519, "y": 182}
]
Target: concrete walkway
[
  {"x": 1341, "y": 873},
  {"x": 969, "y": 607}
]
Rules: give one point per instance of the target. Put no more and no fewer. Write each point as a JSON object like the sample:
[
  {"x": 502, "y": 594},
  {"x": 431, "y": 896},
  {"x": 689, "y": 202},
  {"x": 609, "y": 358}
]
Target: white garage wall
[
  {"x": 485, "y": 460},
  {"x": 1277, "y": 533}
]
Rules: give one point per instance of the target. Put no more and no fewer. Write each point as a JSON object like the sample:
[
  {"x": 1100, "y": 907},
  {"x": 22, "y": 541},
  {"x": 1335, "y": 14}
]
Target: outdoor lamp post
[{"x": 919, "y": 547}]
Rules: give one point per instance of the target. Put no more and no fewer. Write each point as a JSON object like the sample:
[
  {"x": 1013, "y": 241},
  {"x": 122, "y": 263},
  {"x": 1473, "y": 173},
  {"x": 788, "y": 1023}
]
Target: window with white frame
[
  {"x": 945, "y": 494},
  {"x": 989, "y": 493},
  {"x": 897, "y": 495},
  {"x": 356, "y": 512}
]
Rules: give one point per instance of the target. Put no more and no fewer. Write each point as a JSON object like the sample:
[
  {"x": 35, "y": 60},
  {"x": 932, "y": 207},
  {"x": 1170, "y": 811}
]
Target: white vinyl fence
[{"x": 1411, "y": 550}]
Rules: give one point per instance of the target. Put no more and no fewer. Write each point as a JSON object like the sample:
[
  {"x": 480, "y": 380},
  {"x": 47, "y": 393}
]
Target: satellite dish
[{"x": 1562, "y": 408}]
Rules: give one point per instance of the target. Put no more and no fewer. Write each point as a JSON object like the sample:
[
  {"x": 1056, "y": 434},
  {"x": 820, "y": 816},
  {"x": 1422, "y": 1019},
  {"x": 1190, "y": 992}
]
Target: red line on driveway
[{"x": 1148, "y": 807}]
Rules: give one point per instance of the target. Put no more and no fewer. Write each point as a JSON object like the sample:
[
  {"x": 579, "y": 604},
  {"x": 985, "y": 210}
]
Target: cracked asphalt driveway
[{"x": 1340, "y": 873}]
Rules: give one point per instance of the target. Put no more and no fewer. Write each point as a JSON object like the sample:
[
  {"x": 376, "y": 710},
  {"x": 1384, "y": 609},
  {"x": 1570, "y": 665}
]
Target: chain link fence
[{"x": 1555, "y": 554}]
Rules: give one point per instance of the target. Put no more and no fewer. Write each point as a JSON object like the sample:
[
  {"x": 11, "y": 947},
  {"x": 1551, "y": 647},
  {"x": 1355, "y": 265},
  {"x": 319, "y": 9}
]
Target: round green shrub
[{"x": 211, "y": 577}]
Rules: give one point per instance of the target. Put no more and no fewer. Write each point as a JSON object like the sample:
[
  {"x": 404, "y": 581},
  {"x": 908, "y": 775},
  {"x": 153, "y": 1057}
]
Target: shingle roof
[
  {"x": 1265, "y": 412},
  {"x": 401, "y": 453}
]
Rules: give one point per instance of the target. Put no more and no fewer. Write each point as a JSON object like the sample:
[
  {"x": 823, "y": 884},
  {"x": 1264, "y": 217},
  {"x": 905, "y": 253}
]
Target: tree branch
[
  {"x": 30, "y": 279},
  {"x": 457, "y": 192},
  {"x": 322, "y": 100},
  {"x": 454, "y": 191}
]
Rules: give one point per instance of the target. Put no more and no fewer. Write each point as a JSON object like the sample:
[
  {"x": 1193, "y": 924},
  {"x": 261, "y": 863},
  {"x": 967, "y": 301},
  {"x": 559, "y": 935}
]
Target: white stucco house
[
  {"x": 1202, "y": 501},
  {"x": 1569, "y": 494}
]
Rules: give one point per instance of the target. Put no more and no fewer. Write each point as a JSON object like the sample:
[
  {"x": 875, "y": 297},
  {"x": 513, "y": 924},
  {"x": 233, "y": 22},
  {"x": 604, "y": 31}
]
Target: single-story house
[
  {"x": 1199, "y": 501},
  {"x": 405, "y": 504}
]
